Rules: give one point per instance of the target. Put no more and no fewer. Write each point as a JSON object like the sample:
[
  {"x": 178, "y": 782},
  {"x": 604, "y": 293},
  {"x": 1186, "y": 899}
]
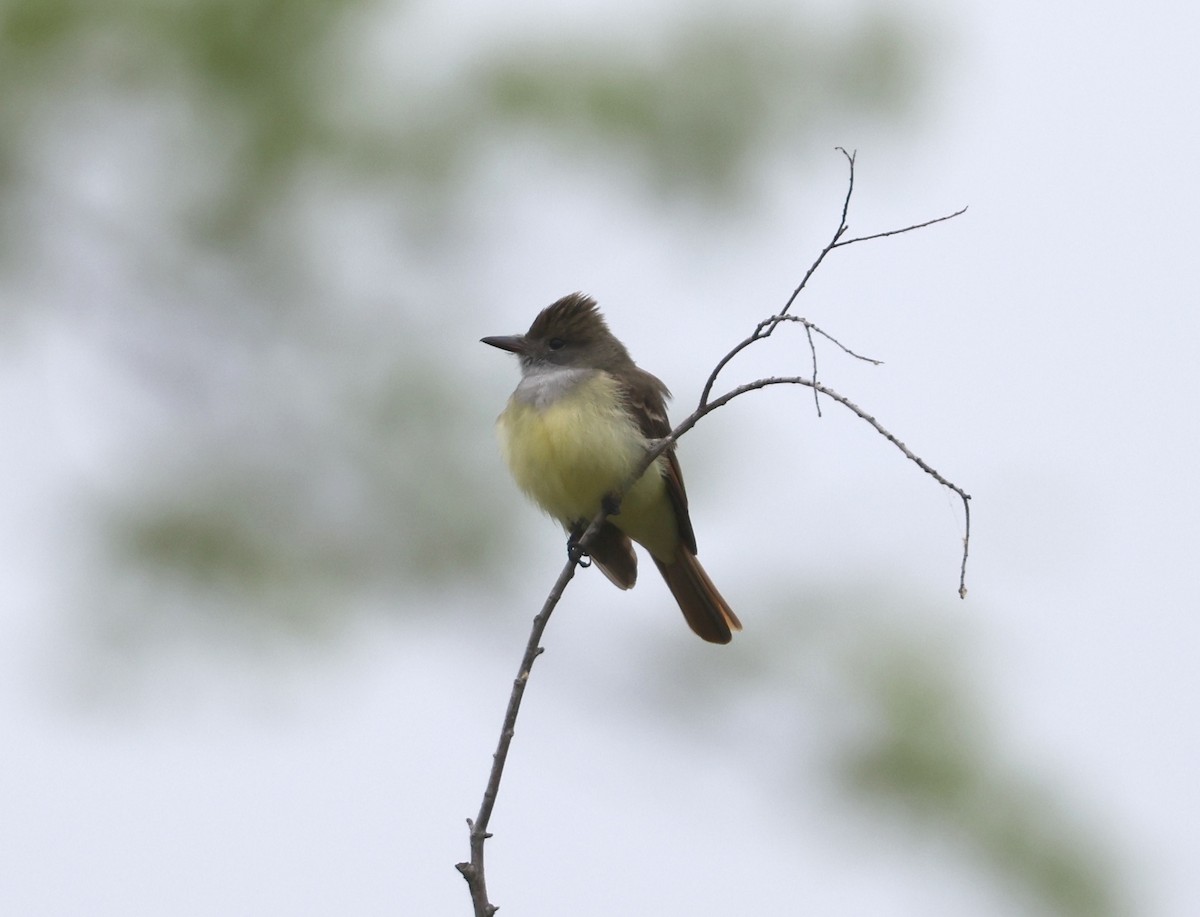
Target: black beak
[{"x": 513, "y": 343}]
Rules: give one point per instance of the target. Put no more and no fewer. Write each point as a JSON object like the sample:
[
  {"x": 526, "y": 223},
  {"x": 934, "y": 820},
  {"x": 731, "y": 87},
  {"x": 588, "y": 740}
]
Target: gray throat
[{"x": 543, "y": 384}]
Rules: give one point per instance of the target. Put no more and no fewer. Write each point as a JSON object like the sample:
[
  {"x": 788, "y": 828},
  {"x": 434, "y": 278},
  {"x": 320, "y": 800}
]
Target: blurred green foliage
[
  {"x": 700, "y": 113},
  {"x": 930, "y": 755},
  {"x": 873, "y": 693},
  {"x": 252, "y": 73},
  {"x": 276, "y": 82}
]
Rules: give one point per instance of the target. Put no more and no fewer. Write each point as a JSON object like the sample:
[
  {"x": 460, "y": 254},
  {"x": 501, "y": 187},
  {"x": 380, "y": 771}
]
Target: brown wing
[{"x": 646, "y": 397}]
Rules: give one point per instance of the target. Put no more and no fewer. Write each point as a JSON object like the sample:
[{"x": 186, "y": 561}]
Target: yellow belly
[{"x": 569, "y": 455}]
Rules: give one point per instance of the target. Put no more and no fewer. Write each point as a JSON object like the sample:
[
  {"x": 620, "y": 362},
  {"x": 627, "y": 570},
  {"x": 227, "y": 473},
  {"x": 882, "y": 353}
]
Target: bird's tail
[{"x": 706, "y": 612}]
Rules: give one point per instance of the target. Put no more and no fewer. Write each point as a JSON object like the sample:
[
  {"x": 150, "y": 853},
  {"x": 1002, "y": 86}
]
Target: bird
[{"x": 580, "y": 419}]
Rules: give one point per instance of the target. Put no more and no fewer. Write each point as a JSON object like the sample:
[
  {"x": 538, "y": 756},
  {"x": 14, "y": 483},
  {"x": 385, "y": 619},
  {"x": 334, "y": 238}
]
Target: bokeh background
[{"x": 265, "y": 579}]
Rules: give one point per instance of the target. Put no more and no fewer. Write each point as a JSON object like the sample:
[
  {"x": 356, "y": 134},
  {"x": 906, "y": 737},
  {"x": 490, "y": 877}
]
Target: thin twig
[
  {"x": 829, "y": 337},
  {"x": 879, "y": 428},
  {"x": 896, "y": 232},
  {"x": 809, "y": 328},
  {"x": 812, "y": 326},
  {"x": 812, "y": 348},
  {"x": 843, "y": 227},
  {"x": 765, "y": 328}
]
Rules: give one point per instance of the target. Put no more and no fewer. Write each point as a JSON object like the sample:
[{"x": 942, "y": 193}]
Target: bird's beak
[{"x": 513, "y": 343}]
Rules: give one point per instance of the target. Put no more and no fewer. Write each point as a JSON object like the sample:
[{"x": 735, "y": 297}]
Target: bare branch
[
  {"x": 473, "y": 871},
  {"x": 879, "y": 428},
  {"x": 767, "y": 327},
  {"x": 843, "y": 227},
  {"x": 896, "y": 232},
  {"x": 809, "y": 328}
]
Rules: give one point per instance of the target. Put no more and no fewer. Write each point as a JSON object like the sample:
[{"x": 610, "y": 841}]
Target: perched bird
[{"x": 579, "y": 420}]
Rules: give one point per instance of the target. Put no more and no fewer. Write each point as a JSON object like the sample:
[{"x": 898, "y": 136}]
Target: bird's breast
[{"x": 570, "y": 450}]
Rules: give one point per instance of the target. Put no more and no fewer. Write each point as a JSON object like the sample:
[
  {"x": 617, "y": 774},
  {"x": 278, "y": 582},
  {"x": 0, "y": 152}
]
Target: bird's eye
[{"x": 557, "y": 343}]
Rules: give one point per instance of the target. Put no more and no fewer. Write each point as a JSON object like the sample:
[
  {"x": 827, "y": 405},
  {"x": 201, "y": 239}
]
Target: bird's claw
[{"x": 576, "y": 554}]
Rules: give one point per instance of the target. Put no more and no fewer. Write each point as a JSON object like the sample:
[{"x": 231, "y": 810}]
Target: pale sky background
[{"x": 1039, "y": 351}]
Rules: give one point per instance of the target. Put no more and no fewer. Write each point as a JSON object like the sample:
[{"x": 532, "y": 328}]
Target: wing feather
[{"x": 646, "y": 396}]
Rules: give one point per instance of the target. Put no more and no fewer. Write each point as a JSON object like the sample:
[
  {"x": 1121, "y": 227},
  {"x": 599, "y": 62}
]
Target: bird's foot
[{"x": 576, "y": 554}]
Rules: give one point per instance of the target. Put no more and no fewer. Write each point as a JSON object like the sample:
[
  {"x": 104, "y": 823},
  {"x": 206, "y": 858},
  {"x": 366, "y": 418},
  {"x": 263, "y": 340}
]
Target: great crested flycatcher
[{"x": 581, "y": 417}]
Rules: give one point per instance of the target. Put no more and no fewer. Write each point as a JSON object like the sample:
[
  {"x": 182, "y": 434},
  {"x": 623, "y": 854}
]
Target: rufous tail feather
[{"x": 706, "y": 612}]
